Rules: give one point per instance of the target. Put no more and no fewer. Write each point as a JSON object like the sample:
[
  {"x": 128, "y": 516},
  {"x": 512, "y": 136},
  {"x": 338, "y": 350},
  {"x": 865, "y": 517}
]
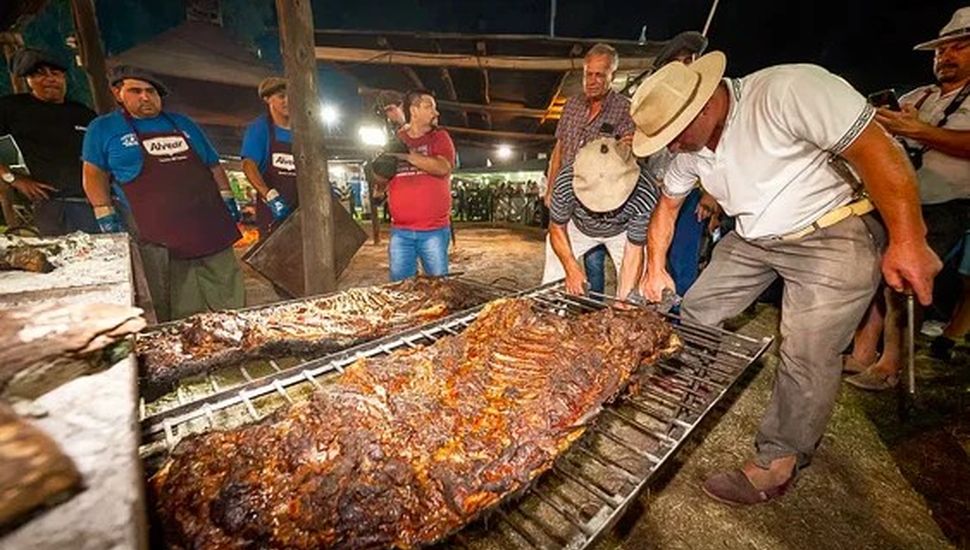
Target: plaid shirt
[{"x": 575, "y": 128}]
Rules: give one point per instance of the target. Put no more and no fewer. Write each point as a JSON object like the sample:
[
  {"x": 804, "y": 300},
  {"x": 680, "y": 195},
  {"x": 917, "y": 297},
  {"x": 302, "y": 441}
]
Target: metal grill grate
[
  {"x": 589, "y": 486},
  {"x": 198, "y": 389}
]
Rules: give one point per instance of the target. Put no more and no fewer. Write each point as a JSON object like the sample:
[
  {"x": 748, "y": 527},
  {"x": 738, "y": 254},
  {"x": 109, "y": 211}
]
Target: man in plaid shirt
[{"x": 596, "y": 112}]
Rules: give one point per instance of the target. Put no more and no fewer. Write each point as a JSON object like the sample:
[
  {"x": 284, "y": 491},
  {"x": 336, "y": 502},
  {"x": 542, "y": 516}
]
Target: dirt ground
[{"x": 876, "y": 482}]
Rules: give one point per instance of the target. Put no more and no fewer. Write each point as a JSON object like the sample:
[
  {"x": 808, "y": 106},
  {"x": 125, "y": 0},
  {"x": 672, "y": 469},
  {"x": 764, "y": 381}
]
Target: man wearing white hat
[
  {"x": 935, "y": 124},
  {"x": 603, "y": 197},
  {"x": 771, "y": 148}
]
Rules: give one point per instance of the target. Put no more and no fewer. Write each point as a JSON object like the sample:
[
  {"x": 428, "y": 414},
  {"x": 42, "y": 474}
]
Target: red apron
[
  {"x": 280, "y": 174},
  {"x": 175, "y": 200}
]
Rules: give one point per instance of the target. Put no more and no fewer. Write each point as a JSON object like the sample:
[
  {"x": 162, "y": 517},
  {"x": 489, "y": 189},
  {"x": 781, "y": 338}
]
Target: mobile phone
[{"x": 885, "y": 98}]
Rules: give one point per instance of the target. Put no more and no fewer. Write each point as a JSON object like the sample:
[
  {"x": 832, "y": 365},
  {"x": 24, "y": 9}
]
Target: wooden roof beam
[
  {"x": 511, "y": 110},
  {"x": 464, "y": 61},
  {"x": 500, "y": 134}
]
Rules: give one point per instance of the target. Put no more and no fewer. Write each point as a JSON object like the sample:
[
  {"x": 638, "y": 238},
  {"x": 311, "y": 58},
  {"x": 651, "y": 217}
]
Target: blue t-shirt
[
  {"x": 110, "y": 144},
  {"x": 255, "y": 145}
]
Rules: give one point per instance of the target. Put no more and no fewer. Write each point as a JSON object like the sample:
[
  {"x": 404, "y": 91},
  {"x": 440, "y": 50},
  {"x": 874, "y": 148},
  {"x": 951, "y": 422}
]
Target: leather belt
[{"x": 857, "y": 208}]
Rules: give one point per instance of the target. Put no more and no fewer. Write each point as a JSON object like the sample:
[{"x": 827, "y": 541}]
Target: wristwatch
[{"x": 9, "y": 177}]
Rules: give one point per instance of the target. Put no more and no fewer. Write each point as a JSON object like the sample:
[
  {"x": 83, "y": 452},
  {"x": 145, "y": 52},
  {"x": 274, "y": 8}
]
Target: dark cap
[
  {"x": 691, "y": 41},
  {"x": 121, "y": 72},
  {"x": 28, "y": 60}
]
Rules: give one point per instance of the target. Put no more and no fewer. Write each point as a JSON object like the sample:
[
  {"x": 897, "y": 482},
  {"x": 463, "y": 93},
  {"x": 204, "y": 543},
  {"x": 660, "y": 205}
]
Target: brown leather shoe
[{"x": 734, "y": 488}]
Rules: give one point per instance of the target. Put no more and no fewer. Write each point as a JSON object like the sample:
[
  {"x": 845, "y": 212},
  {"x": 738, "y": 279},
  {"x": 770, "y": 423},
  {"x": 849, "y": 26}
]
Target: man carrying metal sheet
[
  {"x": 768, "y": 148},
  {"x": 176, "y": 195},
  {"x": 49, "y": 130},
  {"x": 267, "y": 157}
]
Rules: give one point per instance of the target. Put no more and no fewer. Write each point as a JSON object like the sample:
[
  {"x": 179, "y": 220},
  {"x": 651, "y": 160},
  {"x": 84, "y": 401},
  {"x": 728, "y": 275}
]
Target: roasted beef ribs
[
  {"x": 211, "y": 340},
  {"x": 405, "y": 449}
]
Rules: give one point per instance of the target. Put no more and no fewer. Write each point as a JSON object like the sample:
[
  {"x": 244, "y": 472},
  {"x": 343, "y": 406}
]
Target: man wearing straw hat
[
  {"x": 602, "y": 198},
  {"x": 771, "y": 149}
]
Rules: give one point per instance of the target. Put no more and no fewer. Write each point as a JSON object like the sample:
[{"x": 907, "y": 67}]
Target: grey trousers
[{"x": 830, "y": 277}]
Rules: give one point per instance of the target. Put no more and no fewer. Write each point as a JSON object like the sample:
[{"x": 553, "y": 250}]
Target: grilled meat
[
  {"x": 34, "y": 473},
  {"x": 25, "y": 258},
  {"x": 210, "y": 340},
  {"x": 405, "y": 449}
]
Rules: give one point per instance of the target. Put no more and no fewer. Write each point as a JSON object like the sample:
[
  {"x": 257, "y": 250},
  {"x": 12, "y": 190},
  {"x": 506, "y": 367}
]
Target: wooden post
[
  {"x": 12, "y": 42},
  {"x": 91, "y": 54},
  {"x": 309, "y": 148}
]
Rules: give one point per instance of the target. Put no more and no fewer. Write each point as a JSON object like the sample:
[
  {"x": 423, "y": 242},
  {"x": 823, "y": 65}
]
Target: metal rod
[
  {"x": 587, "y": 486},
  {"x": 542, "y": 526},
  {"x": 518, "y": 530},
  {"x": 644, "y": 429},
  {"x": 548, "y": 501},
  {"x": 609, "y": 463},
  {"x": 615, "y": 439}
]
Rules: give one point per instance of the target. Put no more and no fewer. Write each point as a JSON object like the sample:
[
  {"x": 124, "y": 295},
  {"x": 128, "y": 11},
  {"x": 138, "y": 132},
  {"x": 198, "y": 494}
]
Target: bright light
[
  {"x": 337, "y": 170},
  {"x": 504, "y": 152},
  {"x": 372, "y": 135},
  {"x": 329, "y": 115}
]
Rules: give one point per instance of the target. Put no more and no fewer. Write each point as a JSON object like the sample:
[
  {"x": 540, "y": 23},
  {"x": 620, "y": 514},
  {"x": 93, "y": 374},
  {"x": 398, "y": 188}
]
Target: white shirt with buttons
[{"x": 942, "y": 177}]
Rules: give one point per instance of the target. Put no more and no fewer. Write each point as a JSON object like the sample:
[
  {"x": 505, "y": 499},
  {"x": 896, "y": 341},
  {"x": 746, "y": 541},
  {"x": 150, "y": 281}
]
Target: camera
[{"x": 383, "y": 164}]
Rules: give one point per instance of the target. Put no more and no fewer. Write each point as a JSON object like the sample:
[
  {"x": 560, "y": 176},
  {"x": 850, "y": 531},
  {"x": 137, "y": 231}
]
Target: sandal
[
  {"x": 734, "y": 488},
  {"x": 873, "y": 380},
  {"x": 851, "y": 365}
]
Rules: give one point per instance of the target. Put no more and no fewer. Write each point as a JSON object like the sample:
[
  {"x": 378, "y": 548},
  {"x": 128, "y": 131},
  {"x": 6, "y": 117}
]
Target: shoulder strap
[{"x": 954, "y": 104}]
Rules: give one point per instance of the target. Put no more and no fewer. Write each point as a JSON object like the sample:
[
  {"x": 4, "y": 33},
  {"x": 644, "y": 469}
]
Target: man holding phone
[{"x": 933, "y": 122}]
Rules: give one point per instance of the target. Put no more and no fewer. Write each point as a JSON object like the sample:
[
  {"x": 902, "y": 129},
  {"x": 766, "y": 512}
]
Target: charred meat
[
  {"x": 405, "y": 449},
  {"x": 211, "y": 340}
]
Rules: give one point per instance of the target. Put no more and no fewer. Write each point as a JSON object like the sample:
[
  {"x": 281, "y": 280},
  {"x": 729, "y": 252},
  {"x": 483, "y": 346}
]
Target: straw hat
[
  {"x": 669, "y": 100},
  {"x": 958, "y": 28},
  {"x": 605, "y": 173}
]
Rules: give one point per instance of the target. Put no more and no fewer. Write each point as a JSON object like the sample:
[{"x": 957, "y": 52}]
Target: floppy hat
[
  {"x": 605, "y": 173},
  {"x": 270, "y": 85},
  {"x": 957, "y": 28},
  {"x": 669, "y": 100}
]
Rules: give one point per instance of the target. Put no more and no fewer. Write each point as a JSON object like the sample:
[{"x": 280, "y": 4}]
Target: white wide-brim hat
[
  {"x": 669, "y": 100},
  {"x": 958, "y": 28},
  {"x": 605, "y": 173}
]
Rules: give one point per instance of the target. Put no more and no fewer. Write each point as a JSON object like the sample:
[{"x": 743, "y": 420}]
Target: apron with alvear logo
[
  {"x": 280, "y": 174},
  {"x": 175, "y": 200}
]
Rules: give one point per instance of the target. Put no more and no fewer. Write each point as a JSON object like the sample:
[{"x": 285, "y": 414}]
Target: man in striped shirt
[{"x": 602, "y": 198}]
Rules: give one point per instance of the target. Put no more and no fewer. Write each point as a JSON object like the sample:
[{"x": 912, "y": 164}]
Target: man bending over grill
[
  {"x": 768, "y": 148},
  {"x": 602, "y": 198}
]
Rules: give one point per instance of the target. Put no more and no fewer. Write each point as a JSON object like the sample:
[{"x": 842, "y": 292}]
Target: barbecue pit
[{"x": 589, "y": 487}]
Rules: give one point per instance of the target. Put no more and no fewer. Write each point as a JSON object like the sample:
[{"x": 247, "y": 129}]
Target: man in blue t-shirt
[
  {"x": 267, "y": 156},
  {"x": 177, "y": 198}
]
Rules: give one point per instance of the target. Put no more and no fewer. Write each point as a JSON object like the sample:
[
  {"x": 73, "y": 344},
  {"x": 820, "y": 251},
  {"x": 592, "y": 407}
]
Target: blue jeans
[
  {"x": 407, "y": 246},
  {"x": 594, "y": 263},
  {"x": 685, "y": 249}
]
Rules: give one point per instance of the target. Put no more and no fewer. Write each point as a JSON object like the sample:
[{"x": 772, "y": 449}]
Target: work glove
[
  {"x": 277, "y": 205},
  {"x": 108, "y": 220},
  {"x": 231, "y": 206}
]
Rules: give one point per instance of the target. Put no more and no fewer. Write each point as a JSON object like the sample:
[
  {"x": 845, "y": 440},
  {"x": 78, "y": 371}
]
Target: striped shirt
[
  {"x": 575, "y": 128},
  {"x": 632, "y": 217}
]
